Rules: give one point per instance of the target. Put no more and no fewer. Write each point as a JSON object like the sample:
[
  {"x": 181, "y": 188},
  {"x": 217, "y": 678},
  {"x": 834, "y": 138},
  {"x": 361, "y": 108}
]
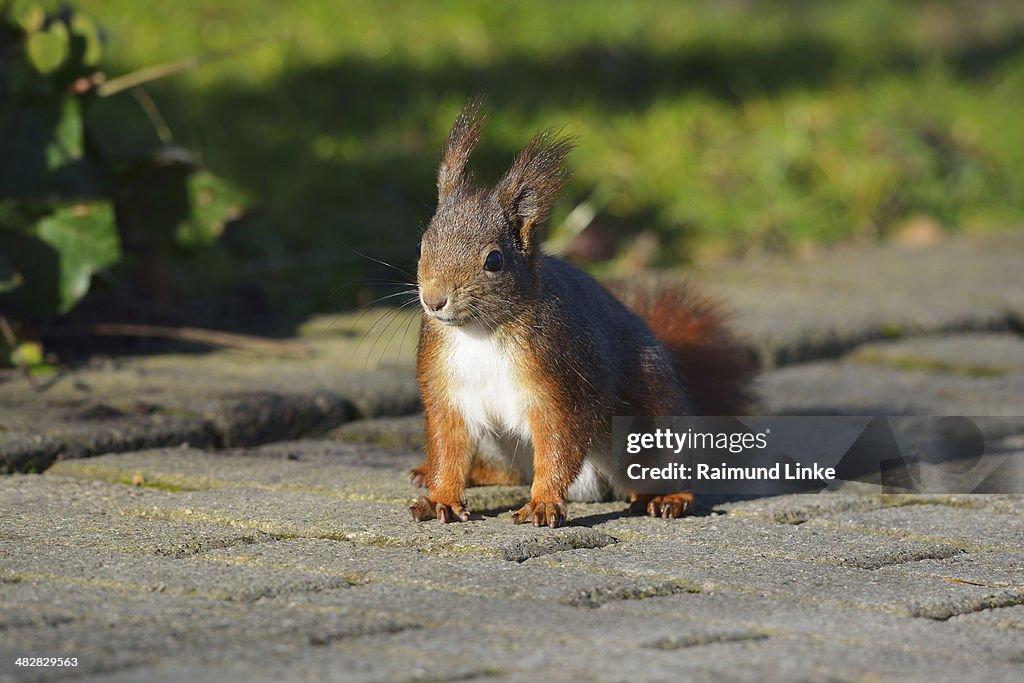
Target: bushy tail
[{"x": 714, "y": 367}]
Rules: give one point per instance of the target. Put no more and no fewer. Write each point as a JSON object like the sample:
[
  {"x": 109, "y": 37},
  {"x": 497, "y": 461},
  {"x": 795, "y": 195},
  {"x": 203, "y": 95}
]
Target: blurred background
[{"x": 226, "y": 163}]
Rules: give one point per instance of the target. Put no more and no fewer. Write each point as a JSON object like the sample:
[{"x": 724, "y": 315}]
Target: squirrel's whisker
[
  {"x": 398, "y": 328},
  {"x": 366, "y": 308},
  {"x": 385, "y": 264},
  {"x": 385, "y": 319}
]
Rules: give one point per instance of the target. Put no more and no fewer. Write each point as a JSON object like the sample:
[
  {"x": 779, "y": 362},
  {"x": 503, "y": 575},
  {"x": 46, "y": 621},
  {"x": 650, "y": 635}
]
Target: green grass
[
  {"x": 154, "y": 485},
  {"x": 929, "y": 365},
  {"x": 712, "y": 126}
]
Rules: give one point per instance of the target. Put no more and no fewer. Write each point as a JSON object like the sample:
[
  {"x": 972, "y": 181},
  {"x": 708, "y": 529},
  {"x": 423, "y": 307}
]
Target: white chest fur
[{"x": 485, "y": 384}]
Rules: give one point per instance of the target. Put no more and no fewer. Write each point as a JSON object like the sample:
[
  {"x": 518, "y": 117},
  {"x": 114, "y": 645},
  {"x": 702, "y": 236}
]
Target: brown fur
[
  {"x": 560, "y": 443},
  {"x": 484, "y": 473},
  {"x": 452, "y": 175},
  {"x": 448, "y": 453},
  {"x": 532, "y": 184},
  {"x": 716, "y": 369},
  {"x": 667, "y": 505},
  {"x": 574, "y": 355},
  {"x": 693, "y": 327}
]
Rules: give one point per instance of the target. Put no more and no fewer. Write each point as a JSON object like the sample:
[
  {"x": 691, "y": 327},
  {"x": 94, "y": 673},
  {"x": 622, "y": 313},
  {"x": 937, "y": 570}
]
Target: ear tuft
[
  {"x": 452, "y": 174},
  {"x": 533, "y": 182}
]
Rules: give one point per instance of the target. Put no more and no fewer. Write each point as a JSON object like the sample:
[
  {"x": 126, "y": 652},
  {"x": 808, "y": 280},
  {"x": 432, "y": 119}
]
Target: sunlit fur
[{"x": 524, "y": 367}]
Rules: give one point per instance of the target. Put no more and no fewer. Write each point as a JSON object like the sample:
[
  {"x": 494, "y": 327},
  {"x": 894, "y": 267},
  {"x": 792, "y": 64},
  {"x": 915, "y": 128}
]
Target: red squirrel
[{"x": 523, "y": 359}]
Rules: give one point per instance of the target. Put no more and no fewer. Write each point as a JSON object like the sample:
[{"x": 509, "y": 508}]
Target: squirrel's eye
[
  {"x": 494, "y": 261},
  {"x": 419, "y": 248}
]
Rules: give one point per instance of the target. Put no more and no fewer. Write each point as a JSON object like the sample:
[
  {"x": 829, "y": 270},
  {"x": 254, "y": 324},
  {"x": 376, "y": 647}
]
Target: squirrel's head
[{"x": 479, "y": 255}]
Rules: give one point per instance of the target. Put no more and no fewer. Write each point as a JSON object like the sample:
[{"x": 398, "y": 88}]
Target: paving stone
[
  {"x": 296, "y": 560},
  {"x": 37, "y": 447},
  {"x": 399, "y": 432},
  {"x": 405, "y": 567},
  {"x": 327, "y": 468},
  {"x": 110, "y": 628},
  {"x": 847, "y": 388},
  {"x": 990, "y": 569},
  {"x": 23, "y": 452},
  {"x": 698, "y": 568},
  {"x": 86, "y": 515},
  {"x": 313, "y": 636},
  {"x": 966, "y": 528},
  {"x": 615, "y": 644},
  {"x": 857, "y": 628},
  {"x": 1002, "y": 618},
  {"x": 381, "y": 524},
  {"x": 972, "y": 355},
  {"x": 342, "y": 506},
  {"x": 805, "y": 542},
  {"x": 438, "y": 604},
  {"x": 798, "y": 508},
  {"x": 73, "y": 566},
  {"x": 215, "y": 400},
  {"x": 795, "y": 312},
  {"x": 507, "y": 655}
]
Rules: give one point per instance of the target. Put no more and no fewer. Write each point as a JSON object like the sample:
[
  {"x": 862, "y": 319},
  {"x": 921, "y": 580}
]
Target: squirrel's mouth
[{"x": 445, "y": 319}]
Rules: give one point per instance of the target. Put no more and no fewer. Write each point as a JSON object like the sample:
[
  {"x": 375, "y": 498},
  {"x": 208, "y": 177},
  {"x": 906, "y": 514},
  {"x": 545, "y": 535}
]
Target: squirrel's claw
[
  {"x": 541, "y": 514},
  {"x": 667, "y": 506},
  {"x": 418, "y": 476},
  {"x": 425, "y": 508}
]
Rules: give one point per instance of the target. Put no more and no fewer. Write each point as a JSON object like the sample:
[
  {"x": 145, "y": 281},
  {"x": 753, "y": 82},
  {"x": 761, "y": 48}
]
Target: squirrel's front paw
[
  {"x": 667, "y": 506},
  {"x": 425, "y": 508},
  {"x": 541, "y": 514}
]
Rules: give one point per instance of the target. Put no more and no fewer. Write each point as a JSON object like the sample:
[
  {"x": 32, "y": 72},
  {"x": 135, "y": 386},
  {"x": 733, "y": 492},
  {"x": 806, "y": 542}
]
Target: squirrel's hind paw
[
  {"x": 541, "y": 514},
  {"x": 667, "y": 506},
  {"x": 418, "y": 476},
  {"x": 424, "y": 509}
]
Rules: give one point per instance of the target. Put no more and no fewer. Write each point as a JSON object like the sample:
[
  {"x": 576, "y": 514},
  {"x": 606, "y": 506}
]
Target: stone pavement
[{"x": 223, "y": 516}]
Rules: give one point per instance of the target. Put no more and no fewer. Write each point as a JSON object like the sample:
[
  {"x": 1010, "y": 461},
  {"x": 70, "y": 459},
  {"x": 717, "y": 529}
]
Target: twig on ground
[{"x": 246, "y": 342}]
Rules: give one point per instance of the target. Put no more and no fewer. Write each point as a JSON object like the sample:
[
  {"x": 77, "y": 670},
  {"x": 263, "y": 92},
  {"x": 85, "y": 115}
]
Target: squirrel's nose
[{"x": 435, "y": 302}]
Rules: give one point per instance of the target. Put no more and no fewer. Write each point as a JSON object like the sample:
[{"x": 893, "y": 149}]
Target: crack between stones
[
  {"x": 699, "y": 639},
  {"x": 833, "y": 346},
  {"x": 891, "y": 532},
  {"x": 937, "y": 554},
  {"x": 979, "y": 605},
  {"x": 282, "y": 416},
  {"x": 601, "y": 596},
  {"x": 320, "y": 640}
]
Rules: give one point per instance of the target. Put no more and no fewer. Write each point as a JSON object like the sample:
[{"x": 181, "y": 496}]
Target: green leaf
[
  {"x": 68, "y": 140},
  {"x": 31, "y": 356},
  {"x": 49, "y": 49},
  {"x": 86, "y": 37},
  {"x": 214, "y": 203},
  {"x": 28, "y": 353},
  {"x": 85, "y": 238},
  {"x": 40, "y": 137},
  {"x": 10, "y": 279},
  {"x": 27, "y": 15}
]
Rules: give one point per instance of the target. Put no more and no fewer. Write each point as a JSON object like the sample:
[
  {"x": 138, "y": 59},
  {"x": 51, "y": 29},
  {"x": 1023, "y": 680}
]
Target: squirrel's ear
[
  {"x": 452, "y": 174},
  {"x": 531, "y": 186}
]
